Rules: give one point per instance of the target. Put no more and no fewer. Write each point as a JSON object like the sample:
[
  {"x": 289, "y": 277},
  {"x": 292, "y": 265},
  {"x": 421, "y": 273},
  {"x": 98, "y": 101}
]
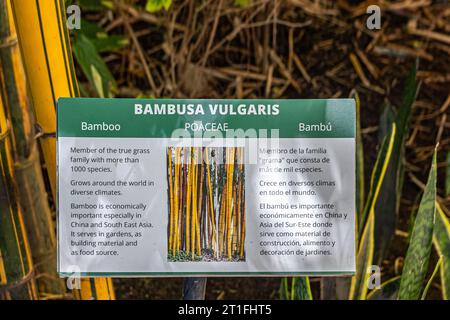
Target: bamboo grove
[
  {"x": 35, "y": 66},
  {"x": 27, "y": 167},
  {"x": 16, "y": 268},
  {"x": 206, "y": 220}
]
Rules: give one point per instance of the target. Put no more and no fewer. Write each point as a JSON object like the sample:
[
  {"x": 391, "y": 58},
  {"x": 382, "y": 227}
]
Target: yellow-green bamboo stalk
[
  {"x": 188, "y": 202},
  {"x": 240, "y": 214},
  {"x": 199, "y": 206},
  {"x": 16, "y": 267},
  {"x": 180, "y": 199},
  {"x": 222, "y": 222},
  {"x": 176, "y": 200},
  {"x": 241, "y": 252},
  {"x": 234, "y": 222},
  {"x": 47, "y": 58},
  {"x": 33, "y": 197},
  {"x": 171, "y": 223},
  {"x": 230, "y": 171}
]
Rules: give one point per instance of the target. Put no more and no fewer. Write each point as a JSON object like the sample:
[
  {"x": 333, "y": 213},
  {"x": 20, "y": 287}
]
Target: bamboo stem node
[
  {"x": 24, "y": 164},
  {"x": 41, "y": 134},
  {"x": 8, "y": 42},
  {"x": 4, "y": 134}
]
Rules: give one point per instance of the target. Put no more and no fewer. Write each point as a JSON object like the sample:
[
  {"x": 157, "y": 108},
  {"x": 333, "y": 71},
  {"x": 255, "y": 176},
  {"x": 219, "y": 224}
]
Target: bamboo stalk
[
  {"x": 33, "y": 200},
  {"x": 49, "y": 71},
  {"x": 188, "y": 204},
  {"x": 241, "y": 218},
  {"x": 238, "y": 209},
  {"x": 200, "y": 206},
  {"x": 211, "y": 203},
  {"x": 175, "y": 205},
  {"x": 241, "y": 253},
  {"x": 222, "y": 222},
  {"x": 230, "y": 170},
  {"x": 242, "y": 207},
  {"x": 48, "y": 64},
  {"x": 225, "y": 203},
  {"x": 235, "y": 220},
  {"x": 171, "y": 225},
  {"x": 16, "y": 267},
  {"x": 183, "y": 202},
  {"x": 180, "y": 206},
  {"x": 194, "y": 204}
]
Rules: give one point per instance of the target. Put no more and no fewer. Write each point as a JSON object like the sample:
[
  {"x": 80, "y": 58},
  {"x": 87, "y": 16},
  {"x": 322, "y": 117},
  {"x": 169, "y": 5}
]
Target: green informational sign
[
  {"x": 159, "y": 118},
  {"x": 163, "y": 187}
]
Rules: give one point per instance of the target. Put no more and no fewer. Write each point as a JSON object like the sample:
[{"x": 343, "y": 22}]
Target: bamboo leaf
[
  {"x": 89, "y": 29},
  {"x": 387, "y": 206},
  {"x": 441, "y": 239},
  {"x": 106, "y": 43},
  {"x": 387, "y": 291},
  {"x": 87, "y": 56},
  {"x": 364, "y": 259},
  {"x": 100, "y": 38},
  {"x": 97, "y": 78},
  {"x": 419, "y": 250},
  {"x": 157, "y": 5}
]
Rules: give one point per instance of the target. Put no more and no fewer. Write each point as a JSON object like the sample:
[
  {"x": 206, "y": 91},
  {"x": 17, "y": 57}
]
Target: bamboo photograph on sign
[{"x": 206, "y": 218}]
